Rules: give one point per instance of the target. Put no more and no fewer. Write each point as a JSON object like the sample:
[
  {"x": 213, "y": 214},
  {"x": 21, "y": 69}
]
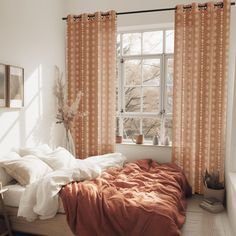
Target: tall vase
[{"x": 69, "y": 142}]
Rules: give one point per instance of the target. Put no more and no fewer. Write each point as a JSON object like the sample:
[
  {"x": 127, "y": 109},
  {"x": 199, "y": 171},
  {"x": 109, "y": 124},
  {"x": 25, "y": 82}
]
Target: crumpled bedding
[
  {"x": 40, "y": 199},
  {"x": 141, "y": 198}
]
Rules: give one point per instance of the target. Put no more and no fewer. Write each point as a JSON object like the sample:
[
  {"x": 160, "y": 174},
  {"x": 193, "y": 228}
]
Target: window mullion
[
  {"x": 162, "y": 94},
  {"x": 141, "y": 121},
  {"x": 161, "y": 83},
  {"x": 119, "y": 97},
  {"x": 163, "y": 74},
  {"x": 121, "y": 88},
  {"x": 167, "y": 58},
  {"x": 164, "y": 41},
  {"x": 164, "y": 84}
]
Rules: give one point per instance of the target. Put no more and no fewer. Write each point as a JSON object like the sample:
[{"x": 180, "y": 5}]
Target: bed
[
  {"x": 102, "y": 196},
  {"x": 55, "y": 226},
  {"x": 40, "y": 173},
  {"x": 141, "y": 198}
]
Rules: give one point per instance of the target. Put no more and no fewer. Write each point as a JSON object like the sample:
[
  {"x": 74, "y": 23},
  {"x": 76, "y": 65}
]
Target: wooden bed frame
[{"x": 56, "y": 226}]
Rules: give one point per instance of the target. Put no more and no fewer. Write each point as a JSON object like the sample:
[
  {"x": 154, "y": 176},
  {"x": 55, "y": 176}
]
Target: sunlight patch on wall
[
  {"x": 33, "y": 104},
  {"x": 10, "y": 130}
]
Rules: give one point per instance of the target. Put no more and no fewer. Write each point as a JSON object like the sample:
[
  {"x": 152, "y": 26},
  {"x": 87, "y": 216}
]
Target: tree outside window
[{"x": 145, "y": 84}]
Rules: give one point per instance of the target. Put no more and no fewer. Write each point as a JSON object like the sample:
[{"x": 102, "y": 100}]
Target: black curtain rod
[{"x": 156, "y": 10}]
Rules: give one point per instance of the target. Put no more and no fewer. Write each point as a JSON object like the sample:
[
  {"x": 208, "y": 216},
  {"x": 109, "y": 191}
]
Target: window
[{"x": 144, "y": 84}]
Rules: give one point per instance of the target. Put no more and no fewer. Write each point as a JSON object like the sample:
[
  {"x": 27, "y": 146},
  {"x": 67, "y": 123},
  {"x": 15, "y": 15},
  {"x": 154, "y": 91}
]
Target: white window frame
[{"x": 121, "y": 113}]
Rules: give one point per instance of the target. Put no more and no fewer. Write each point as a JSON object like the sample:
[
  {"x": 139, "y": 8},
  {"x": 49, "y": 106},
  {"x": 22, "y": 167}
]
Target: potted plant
[
  {"x": 119, "y": 138},
  {"x": 212, "y": 185}
]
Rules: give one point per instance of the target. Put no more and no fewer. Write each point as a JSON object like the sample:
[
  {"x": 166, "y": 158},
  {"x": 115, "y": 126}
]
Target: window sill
[{"x": 144, "y": 145}]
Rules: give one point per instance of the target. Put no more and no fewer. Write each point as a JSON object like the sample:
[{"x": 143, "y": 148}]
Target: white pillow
[
  {"x": 5, "y": 178},
  {"x": 60, "y": 158},
  {"x": 26, "y": 170},
  {"x": 36, "y": 151}
]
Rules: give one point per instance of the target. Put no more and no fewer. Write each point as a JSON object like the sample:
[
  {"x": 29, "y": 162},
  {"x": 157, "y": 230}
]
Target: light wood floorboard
[{"x": 200, "y": 222}]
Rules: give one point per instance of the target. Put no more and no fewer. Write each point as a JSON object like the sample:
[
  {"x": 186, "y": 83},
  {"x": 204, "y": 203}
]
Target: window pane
[
  {"x": 117, "y": 126},
  {"x": 117, "y": 109},
  {"x": 151, "y": 99},
  {"x": 132, "y": 72},
  {"x": 168, "y": 128},
  {"x": 132, "y": 44},
  {"x": 117, "y": 73},
  {"x": 169, "y": 99},
  {"x": 151, "y": 72},
  {"x": 131, "y": 127},
  {"x": 169, "y": 85},
  {"x": 117, "y": 82},
  {"x": 153, "y": 42},
  {"x": 170, "y": 71},
  {"x": 132, "y": 99},
  {"x": 118, "y": 45},
  {"x": 169, "y": 41},
  {"x": 151, "y": 127}
]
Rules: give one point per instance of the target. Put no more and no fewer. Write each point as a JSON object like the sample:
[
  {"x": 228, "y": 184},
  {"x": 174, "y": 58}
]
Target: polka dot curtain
[
  {"x": 91, "y": 66},
  {"x": 200, "y": 81}
]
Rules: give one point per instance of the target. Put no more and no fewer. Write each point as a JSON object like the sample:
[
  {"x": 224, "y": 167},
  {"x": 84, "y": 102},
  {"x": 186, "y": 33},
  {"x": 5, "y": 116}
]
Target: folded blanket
[{"x": 143, "y": 198}]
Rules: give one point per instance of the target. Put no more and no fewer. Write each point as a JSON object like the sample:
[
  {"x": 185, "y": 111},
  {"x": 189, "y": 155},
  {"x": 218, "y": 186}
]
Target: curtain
[
  {"x": 200, "y": 84},
  {"x": 91, "y": 69}
]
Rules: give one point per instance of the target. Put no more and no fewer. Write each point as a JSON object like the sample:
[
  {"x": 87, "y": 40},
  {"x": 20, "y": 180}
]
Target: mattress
[{"x": 13, "y": 195}]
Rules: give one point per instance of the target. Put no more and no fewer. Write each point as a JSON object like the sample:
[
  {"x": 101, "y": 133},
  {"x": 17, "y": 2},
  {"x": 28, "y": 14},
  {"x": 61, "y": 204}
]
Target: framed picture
[
  {"x": 3, "y": 85},
  {"x": 15, "y": 86}
]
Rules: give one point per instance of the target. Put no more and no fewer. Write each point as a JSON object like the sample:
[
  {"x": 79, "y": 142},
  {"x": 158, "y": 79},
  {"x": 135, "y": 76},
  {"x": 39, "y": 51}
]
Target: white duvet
[{"x": 40, "y": 199}]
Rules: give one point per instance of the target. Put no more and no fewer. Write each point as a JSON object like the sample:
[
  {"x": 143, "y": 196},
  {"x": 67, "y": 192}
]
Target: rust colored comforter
[{"x": 142, "y": 198}]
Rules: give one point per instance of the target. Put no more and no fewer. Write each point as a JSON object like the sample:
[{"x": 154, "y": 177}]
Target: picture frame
[
  {"x": 3, "y": 85},
  {"x": 15, "y": 86}
]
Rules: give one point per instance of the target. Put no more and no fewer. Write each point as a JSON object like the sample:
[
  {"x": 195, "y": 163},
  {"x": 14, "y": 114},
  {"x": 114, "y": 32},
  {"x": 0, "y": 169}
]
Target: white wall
[
  {"x": 32, "y": 36},
  {"x": 133, "y": 152},
  {"x": 230, "y": 162},
  {"x": 231, "y": 119},
  {"x": 231, "y": 143},
  {"x": 80, "y": 6}
]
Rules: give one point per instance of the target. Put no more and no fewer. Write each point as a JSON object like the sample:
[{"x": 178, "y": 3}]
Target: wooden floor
[{"x": 199, "y": 222}]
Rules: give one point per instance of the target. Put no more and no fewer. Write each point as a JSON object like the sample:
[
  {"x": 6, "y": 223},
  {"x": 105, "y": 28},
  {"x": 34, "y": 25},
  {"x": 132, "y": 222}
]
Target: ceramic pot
[
  {"x": 215, "y": 193},
  {"x": 119, "y": 139},
  {"x": 155, "y": 140},
  {"x": 138, "y": 139},
  {"x": 167, "y": 141}
]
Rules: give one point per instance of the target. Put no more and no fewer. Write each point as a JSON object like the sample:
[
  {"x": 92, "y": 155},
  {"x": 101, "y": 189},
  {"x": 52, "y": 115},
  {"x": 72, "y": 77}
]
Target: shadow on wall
[{"x": 34, "y": 124}]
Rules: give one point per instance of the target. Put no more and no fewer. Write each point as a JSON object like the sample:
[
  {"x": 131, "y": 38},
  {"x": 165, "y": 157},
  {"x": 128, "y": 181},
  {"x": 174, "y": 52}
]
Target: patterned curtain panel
[
  {"x": 91, "y": 65},
  {"x": 200, "y": 80}
]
